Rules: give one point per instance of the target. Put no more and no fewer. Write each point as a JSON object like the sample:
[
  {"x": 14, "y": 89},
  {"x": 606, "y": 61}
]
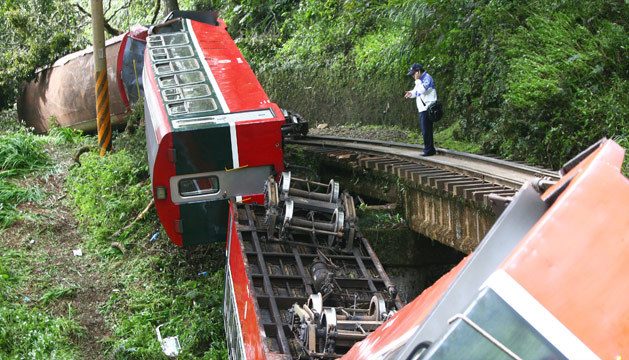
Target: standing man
[{"x": 425, "y": 94}]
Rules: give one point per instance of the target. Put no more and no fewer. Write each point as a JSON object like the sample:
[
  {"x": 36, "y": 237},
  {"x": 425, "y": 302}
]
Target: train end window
[{"x": 202, "y": 185}]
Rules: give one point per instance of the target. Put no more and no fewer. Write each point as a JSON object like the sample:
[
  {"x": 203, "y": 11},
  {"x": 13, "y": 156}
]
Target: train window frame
[
  {"x": 187, "y": 104},
  {"x": 178, "y": 93},
  {"x": 200, "y": 192},
  {"x": 152, "y": 43},
  {"x": 159, "y": 54},
  {"x": 194, "y": 65}
]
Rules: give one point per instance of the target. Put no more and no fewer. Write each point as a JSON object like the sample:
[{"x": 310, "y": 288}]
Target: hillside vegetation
[{"x": 536, "y": 80}]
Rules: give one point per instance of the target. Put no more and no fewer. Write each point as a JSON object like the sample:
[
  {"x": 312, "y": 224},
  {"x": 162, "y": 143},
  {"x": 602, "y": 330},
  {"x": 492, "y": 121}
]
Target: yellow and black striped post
[{"x": 103, "y": 120}]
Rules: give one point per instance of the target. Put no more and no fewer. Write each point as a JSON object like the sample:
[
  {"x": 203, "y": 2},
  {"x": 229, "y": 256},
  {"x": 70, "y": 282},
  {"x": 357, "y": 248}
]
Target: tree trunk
[{"x": 170, "y": 5}]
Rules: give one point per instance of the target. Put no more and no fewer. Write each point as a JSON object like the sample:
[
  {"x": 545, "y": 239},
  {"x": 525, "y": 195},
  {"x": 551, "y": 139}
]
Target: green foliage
[
  {"x": 189, "y": 307},
  {"x": 536, "y": 81},
  {"x": 60, "y": 135},
  {"x": 158, "y": 283},
  {"x": 11, "y": 196},
  {"x": 27, "y": 331},
  {"x": 107, "y": 191},
  {"x": 21, "y": 152},
  {"x": 33, "y": 33}
]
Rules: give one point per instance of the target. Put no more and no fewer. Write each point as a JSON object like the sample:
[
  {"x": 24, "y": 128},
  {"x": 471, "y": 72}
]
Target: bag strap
[{"x": 420, "y": 99}]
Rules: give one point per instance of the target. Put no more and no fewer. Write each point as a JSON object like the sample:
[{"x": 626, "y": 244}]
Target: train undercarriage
[{"x": 318, "y": 286}]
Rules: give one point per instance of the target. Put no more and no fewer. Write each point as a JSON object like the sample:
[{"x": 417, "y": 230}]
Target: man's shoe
[{"x": 429, "y": 154}]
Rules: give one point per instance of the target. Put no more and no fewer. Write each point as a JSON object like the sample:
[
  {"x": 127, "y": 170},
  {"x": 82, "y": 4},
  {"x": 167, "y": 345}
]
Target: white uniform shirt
[{"x": 424, "y": 92}]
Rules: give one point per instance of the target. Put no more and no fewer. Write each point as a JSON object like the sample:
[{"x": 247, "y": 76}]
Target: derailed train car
[
  {"x": 215, "y": 155},
  {"x": 64, "y": 92},
  {"x": 212, "y": 133},
  {"x": 549, "y": 281}
]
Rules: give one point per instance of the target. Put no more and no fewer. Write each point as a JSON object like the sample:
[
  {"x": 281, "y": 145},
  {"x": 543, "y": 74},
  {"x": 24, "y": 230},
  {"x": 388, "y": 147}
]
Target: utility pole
[{"x": 103, "y": 120}]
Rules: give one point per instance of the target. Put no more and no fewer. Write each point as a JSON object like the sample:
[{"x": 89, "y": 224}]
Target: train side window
[
  {"x": 167, "y": 81},
  {"x": 167, "y": 39},
  {"x": 180, "y": 52},
  {"x": 176, "y": 66},
  {"x": 190, "y": 78},
  {"x": 175, "y": 39},
  {"x": 198, "y": 186},
  {"x": 191, "y": 106},
  {"x": 172, "y": 94},
  {"x": 187, "y": 78},
  {"x": 155, "y": 40},
  {"x": 195, "y": 91},
  {"x": 171, "y": 53},
  {"x": 186, "y": 92},
  {"x": 159, "y": 54},
  {"x": 200, "y": 105},
  {"x": 177, "y": 108}
]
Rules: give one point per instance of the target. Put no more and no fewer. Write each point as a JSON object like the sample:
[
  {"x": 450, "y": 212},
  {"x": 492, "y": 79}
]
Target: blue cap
[{"x": 415, "y": 68}]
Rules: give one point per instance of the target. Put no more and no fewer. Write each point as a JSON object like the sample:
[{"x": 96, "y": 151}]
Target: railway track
[{"x": 470, "y": 176}]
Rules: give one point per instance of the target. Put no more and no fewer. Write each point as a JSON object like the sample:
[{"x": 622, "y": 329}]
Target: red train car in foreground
[{"x": 549, "y": 281}]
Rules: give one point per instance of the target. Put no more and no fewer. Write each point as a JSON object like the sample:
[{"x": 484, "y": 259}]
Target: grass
[
  {"x": 11, "y": 196},
  {"x": 21, "y": 152},
  {"x": 27, "y": 329},
  {"x": 49, "y": 298},
  {"x": 155, "y": 282}
]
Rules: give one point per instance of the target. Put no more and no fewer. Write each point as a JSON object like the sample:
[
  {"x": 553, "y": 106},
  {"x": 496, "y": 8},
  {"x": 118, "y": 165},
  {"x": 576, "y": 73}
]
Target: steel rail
[{"x": 498, "y": 171}]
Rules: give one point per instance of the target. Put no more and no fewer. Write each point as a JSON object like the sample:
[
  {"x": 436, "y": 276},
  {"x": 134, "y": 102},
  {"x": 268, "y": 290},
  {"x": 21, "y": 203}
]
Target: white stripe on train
[
  {"x": 219, "y": 96},
  {"x": 538, "y": 316}
]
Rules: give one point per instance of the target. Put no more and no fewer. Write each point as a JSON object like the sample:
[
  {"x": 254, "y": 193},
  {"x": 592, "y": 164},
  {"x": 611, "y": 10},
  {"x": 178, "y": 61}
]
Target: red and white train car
[{"x": 212, "y": 133}]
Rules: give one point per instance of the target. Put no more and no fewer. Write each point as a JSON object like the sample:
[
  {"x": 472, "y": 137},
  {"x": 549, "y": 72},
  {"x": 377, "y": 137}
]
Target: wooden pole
[{"x": 103, "y": 120}]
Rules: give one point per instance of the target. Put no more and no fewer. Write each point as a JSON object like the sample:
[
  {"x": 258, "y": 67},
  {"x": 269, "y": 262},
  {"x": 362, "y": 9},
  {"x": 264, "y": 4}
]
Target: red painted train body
[
  {"x": 212, "y": 133},
  {"x": 549, "y": 281}
]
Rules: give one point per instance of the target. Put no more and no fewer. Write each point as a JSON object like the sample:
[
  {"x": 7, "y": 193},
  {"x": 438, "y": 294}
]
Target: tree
[{"x": 170, "y": 5}]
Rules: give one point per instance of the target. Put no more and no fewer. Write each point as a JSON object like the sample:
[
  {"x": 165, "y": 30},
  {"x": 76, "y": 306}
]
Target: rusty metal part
[
  {"x": 326, "y": 332},
  {"x": 314, "y": 297},
  {"x": 64, "y": 92}
]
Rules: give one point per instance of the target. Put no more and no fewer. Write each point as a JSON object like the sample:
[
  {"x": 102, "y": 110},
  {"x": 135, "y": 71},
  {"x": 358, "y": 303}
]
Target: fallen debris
[
  {"x": 170, "y": 345},
  {"x": 140, "y": 216}
]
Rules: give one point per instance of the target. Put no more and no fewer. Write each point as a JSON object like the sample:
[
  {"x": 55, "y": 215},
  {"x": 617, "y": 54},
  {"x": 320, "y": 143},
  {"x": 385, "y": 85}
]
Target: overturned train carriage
[
  {"x": 300, "y": 279},
  {"x": 212, "y": 133},
  {"x": 547, "y": 282},
  {"x": 63, "y": 94}
]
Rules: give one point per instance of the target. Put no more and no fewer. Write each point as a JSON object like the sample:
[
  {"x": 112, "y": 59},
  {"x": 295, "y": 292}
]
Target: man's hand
[{"x": 407, "y": 94}]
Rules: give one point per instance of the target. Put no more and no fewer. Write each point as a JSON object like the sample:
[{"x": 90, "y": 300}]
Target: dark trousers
[{"x": 426, "y": 125}]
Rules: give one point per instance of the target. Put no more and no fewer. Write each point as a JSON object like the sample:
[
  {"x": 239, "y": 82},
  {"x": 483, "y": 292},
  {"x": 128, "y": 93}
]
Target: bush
[
  {"x": 21, "y": 152},
  {"x": 108, "y": 191},
  {"x": 536, "y": 81}
]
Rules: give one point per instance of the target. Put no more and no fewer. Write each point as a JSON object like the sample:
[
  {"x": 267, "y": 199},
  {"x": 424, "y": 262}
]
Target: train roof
[{"x": 202, "y": 78}]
